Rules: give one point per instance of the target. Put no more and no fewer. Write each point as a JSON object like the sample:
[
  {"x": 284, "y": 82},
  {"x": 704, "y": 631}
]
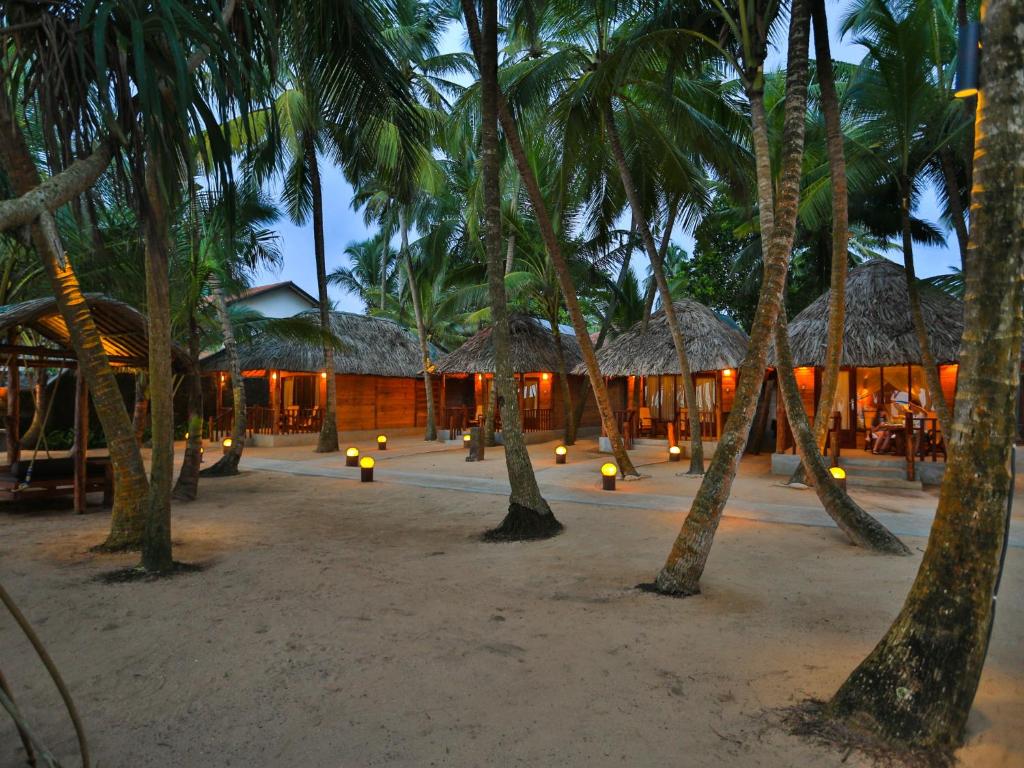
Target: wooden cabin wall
[{"x": 382, "y": 402}]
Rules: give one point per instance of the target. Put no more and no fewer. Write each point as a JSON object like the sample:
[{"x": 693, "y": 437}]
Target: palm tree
[
  {"x": 363, "y": 276},
  {"x": 917, "y": 685}
]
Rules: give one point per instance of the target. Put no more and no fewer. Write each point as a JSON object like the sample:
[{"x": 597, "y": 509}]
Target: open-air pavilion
[
  {"x": 124, "y": 337},
  {"x": 646, "y": 386},
  {"x": 537, "y": 356}
]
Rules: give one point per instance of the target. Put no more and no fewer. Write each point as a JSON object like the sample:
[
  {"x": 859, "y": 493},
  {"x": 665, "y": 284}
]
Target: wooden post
[
  {"x": 476, "y": 444},
  {"x": 908, "y": 443},
  {"x": 81, "y": 445},
  {"x": 13, "y": 409}
]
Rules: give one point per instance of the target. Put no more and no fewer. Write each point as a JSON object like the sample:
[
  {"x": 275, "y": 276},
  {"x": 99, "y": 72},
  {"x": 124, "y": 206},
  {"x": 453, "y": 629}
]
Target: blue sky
[{"x": 343, "y": 225}]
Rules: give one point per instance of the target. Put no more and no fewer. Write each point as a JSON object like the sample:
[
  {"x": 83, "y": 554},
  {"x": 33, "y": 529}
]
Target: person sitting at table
[{"x": 881, "y": 434}]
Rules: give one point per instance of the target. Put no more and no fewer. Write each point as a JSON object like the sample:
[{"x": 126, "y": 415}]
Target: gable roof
[
  {"x": 259, "y": 290},
  {"x": 533, "y": 348}
]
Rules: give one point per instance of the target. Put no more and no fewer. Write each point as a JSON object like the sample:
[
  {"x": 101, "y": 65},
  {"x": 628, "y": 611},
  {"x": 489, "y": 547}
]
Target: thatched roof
[
  {"x": 122, "y": 328},
  {"x": 712, "y": 344},
  {"x": 879, "y": 330},
  {"x": 532, "y": 349},
  {"x": 374, "y": 346}
]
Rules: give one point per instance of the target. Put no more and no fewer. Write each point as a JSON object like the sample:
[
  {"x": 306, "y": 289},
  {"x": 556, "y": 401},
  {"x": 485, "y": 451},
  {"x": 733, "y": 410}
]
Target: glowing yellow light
[
  {"x": 186, "y": 435},
  {"x": 838, "y": 473},
  {"x": 366, "y": 462},
  {"x": 727, "y": 372},
  {"x": 382, "y": 438},
  {"x": 273, "y": 376},
  {"x": 222, "y": 378},
  {"x": 323, "y": 375},
  {"x": 352, "y": 452},
  {"x": 561, "y": 450},
  {"x": 966, "y": 93},
  {"x": 609, "y": 469},
  {"x": 227, "y": 442},
  {"x": 479, "y": 377},
  {"x": 466, "y": 438},
  {"x": 545, "y": 376},
  {"x": 675, "y": 450}
]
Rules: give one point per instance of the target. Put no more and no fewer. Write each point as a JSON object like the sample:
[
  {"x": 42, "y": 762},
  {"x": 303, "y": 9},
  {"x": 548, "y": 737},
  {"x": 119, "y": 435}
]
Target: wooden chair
[{"x": 646, "y": 426}]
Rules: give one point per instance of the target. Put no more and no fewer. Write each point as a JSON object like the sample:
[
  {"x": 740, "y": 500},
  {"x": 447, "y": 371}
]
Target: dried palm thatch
[
  {"x": 373, "y": 346},
  {"x": 123, "y": 330},
  {"x": 878, "y": 328},
  {"x": 712, "y": 344},
  {"x": 532, "y": 349}
]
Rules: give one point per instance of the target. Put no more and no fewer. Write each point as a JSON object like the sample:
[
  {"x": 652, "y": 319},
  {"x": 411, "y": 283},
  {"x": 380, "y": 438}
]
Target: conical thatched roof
[
  {"x": 374, "y": 346},
  {"x": 533, "y": 349},
  {"x": 878, "y": 328},
  {"x": 712, "y": 344}
]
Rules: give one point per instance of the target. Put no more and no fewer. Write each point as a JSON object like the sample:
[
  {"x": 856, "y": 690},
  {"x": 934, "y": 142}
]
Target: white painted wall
[{"x": 281, "y": 302}]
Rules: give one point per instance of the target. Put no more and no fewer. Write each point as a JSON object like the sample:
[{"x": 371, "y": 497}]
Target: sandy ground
[{"x": 340, "y": 624}]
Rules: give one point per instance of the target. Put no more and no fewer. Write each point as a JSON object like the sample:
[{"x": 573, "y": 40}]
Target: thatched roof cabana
[
  {"x": 122, "y": 328},
  {"x": 532, "y": 349},
  {"x": 712, "y": 344},
  {"x": 878, "y": 329},
  {"x": 373, "y": 346}
]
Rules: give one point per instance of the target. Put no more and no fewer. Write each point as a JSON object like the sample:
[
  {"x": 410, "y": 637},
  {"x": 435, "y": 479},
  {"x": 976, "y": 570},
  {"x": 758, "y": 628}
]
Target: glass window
[
  {"x": 530, "y": 393},
  {"x": 896, "y": 391}
]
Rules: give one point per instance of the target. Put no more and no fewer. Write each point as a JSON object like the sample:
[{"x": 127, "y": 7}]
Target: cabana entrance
[
  {"x": 466, "y": 397},
  {"x": 655, "y": 406}
]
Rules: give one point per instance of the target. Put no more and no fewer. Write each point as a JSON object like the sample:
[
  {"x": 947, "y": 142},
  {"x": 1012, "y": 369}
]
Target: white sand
[{"x": 339, "y": 624}]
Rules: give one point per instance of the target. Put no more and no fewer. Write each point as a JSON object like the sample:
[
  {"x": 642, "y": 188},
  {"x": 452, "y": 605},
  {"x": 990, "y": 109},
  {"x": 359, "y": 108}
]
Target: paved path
[{"x": 916, "y": 521}]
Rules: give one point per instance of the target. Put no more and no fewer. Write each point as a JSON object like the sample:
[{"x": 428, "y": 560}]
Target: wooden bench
[{"x": 52, "y": 478}]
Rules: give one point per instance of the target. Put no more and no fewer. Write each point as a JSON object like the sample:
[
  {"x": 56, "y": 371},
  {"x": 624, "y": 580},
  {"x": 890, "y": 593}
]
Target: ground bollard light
[
  {"x": 674, "y": 453},
  {"x": 352, "y": 457},
  {"x": 467, "y": 439},
  {"x": 382, "y": 442},
  {"x": 366, "y": 469},
  {"x": 560, "y": 453},
  {"x": 226, "y": 445},
  {"x": 608, "y": 472},
  {"x": 839, "y": 475}
]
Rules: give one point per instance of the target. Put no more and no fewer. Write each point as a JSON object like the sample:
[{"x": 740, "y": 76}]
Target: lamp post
[
  {"x": 560, "y": 454},
  {"x": 226, "y": 445},
  {"x": 382, "y": 442},
  {"x": 839, "y": 475},
  {"x": 366, "y": 469},
  {"x": 968, "y": 59},
  {"x": 352, "y": 457},
  {"x": 674, "y": 453},
  {"x": 608, "y": 472}
]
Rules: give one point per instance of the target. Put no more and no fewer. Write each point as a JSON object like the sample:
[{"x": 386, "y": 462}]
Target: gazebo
[
  {"x": 124, "y": 337},
  {"x": 377, "y": 376},
  {"x": 467, "y": 376},
  {"x": 881, "y": 364},
  {"x": 645, "y": 373}
]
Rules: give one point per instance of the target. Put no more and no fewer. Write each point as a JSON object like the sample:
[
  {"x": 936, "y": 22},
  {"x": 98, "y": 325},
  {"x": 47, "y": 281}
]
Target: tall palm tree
[
  {"x": 363, "y": 275},
  {"x": 918, "y": 684}
]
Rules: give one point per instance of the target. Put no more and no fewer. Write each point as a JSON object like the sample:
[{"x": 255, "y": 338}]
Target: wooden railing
[
  {"x": 708, "y": 424},
  {"x": 261, "y": 420}
]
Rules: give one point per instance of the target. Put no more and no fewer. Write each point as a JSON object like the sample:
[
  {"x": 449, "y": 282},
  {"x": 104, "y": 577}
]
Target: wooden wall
[{"x": 382, "y": 402}]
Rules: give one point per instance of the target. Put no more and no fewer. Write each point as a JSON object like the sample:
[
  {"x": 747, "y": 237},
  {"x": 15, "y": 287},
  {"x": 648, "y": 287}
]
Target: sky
[{"x": 343, "y": 225}]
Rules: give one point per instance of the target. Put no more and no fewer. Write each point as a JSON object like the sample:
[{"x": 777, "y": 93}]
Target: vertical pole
[
  {"x": 13, "y": 407},
  {"x": 780, "y": 420},
  {"x": 81, "y": 446}
]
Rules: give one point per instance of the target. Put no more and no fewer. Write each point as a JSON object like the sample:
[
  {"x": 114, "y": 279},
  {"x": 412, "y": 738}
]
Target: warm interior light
[
  {"x": 561, "y": 450},
  {"x": 838, "y": 473},
  {"x": 186, "y": 435},
  {"x": 382, "y": 438},
  {"x": 227, "y": 442},
  {"x": 675, "y": 449},
  {"x": 366, "y": 462},
  {"x": 323, "y": 374},
  {"x": 545, "y": 376},
  {"x": 273, "y": 376},
  {"x": 727, "y": 372},
  {"x": 479, "y": 377},
  {"x": 222, "y": 378},
  {"x": 352, "y": 452},
  {"x": 609, "y": 469}
]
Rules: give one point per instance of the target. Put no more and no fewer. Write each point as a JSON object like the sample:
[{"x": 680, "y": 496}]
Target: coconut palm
[{"x": 363, "y": 275}]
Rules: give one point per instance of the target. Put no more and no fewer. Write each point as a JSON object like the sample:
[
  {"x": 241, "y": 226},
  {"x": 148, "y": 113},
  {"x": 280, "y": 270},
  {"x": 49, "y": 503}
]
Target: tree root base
[
  {"x": 138, "y": 573},
  {"x": 117, "y": 547},
  {"x": 652, "y": 587},
  {"x": 810, "y": 720},
  {"x": 524, "y": 524},
  {"x": 220, "y": 469}
]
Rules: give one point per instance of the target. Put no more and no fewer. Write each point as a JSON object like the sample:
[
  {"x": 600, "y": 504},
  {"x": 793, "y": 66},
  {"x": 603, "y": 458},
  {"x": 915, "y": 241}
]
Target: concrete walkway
[{"x": 915, "y": 521}]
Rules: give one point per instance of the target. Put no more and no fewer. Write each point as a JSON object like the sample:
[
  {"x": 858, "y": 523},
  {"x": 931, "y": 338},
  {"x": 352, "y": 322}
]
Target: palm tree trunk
[
  {"x": 931, "y": 368},
  {"x": 131, "y": 488},
  {"x": 37, "y": 428},
  {"x": 529, "y": 516},
  {"x": 563, "y": 381},
  {"x": 156, "y": 541},
  {"x": 579, "y": 324},
  {"x": 862, "y": 529},
  {"x": 228, "y": 463},
  {"x": 840, "y": 231},
  {"x": 510, "y": 247},
  {"x": 140, "y": 411},
  {"x": 689, "y": 554},
  {"x": 187, "y": 486},
  {"x": 919, "y": 682},
  {"x": 328, "y": 440},
  {"x": 421, "y": 328},
  {"x": 492, "y": 405},
  {"x": 956, "y": 203},
  {"x": 658, "y": 268}
]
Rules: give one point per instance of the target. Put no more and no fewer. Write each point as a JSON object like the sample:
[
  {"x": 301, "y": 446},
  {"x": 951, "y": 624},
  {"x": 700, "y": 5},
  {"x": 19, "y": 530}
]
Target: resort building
[
  {"x": 881, "y": 378},
  {"x": 537, "y": 355},
  {"x": 379, "y": 384},
  {"x": 646, "y": 387},
  {"x": 283, "y": 299}
]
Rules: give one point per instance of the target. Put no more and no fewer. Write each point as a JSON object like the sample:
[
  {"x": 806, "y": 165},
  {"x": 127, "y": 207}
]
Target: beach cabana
[
  {"x": 124, "y": 336},
  {"x": 378, "y": 381},
  {"x": 881, "y": 364},
  {"x": 646, "y": 378},
  {"x": 467, "y": 376}
]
